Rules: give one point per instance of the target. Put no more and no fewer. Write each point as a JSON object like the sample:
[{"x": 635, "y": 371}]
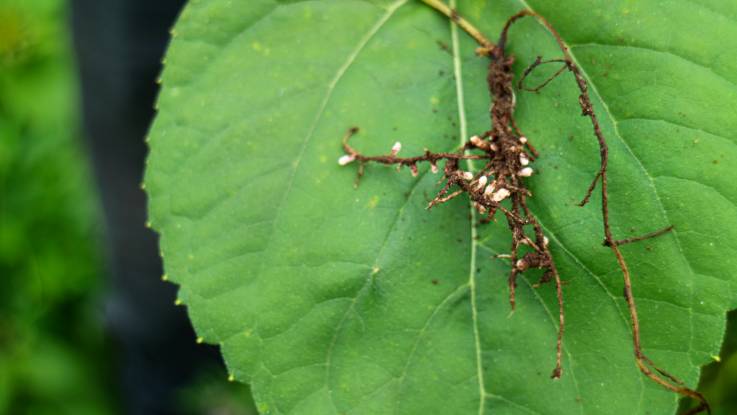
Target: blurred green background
[{"x": 55, "y": 355}]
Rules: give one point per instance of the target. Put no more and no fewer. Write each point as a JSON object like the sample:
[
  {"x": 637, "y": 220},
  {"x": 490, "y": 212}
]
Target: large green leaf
[{"x": 335, "y": 300}]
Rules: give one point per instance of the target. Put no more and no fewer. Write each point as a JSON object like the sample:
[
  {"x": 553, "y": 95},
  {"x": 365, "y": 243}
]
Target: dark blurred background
[{"x": 86, "y": 324}]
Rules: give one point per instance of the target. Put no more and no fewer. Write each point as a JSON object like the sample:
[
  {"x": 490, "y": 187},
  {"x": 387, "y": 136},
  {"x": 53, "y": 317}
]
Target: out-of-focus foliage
[
  {"x": 53, "y": 355},
  {"x": 209, "y": 393},
  {"x": 719, "y": 380},
  {"x": 52, "y": 352}
]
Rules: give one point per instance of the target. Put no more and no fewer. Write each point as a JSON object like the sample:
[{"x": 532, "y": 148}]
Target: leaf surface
[{"x": 335, "y": 300}]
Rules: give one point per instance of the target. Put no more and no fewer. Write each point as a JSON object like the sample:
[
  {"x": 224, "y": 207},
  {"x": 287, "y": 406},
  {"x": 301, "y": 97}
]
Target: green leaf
[{"x": 335, "y": 300}]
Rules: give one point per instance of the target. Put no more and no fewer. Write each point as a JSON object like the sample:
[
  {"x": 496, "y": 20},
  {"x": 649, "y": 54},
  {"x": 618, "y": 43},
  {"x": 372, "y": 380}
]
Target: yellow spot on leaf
[{"x": 373, "y": 202}]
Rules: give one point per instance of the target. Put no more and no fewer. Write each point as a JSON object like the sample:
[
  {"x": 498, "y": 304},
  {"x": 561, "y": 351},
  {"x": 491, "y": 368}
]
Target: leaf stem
[{"x": 452, "y": 14}]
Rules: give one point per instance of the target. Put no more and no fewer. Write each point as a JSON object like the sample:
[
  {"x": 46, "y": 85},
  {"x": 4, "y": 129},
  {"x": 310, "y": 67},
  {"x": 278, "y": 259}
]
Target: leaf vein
[{"x": 458, "y": 71}]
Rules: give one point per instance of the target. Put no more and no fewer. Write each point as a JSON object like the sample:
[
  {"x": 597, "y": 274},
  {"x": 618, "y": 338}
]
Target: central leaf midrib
[{"x": 472, "y": 216}]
